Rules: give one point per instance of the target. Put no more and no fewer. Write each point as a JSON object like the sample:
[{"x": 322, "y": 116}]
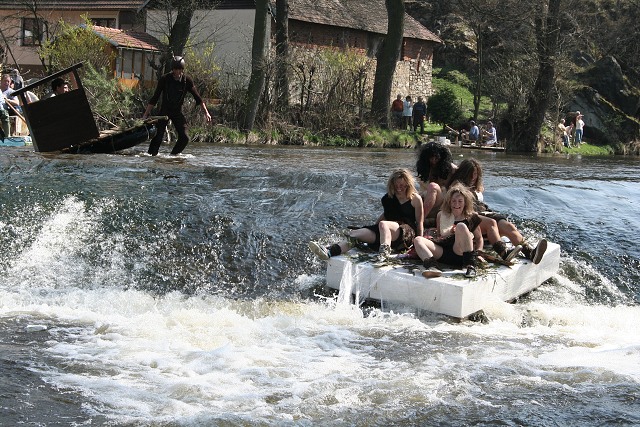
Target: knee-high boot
[{"x": 469, "y": 259}]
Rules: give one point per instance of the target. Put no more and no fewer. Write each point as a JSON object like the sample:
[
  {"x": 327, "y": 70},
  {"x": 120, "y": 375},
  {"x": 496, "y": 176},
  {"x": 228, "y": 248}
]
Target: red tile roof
[{"x": 130, "y": 39}]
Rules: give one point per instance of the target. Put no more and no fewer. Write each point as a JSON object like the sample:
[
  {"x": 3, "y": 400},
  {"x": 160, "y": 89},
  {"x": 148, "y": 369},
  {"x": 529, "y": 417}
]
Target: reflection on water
[{"x": 180, "y": 291}]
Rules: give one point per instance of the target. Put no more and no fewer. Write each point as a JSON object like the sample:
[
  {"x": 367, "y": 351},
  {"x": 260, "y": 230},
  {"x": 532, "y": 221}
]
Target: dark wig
[
  {"x": 464, "y": 175},
  {"x": 443, "y": 168}
]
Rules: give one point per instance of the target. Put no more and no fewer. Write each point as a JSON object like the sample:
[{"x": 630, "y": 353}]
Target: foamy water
[{"x": 84, "y": 303}]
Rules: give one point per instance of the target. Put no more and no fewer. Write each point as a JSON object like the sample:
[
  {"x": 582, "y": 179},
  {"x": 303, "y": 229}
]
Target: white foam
[{"x": 177, "y": 359}]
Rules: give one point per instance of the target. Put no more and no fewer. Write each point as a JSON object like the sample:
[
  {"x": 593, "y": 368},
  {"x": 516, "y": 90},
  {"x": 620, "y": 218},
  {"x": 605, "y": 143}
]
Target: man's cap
[{"x": 177, "y": 63}]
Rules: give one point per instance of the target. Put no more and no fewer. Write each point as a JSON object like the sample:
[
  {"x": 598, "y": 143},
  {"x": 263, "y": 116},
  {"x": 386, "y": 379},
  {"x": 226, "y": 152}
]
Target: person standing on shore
[
  {"x": 579, "y": 129},
  {"x": 407, "y": 113},
  {"x": 396, "y": 111},
  {"x": 173, "y": 87},
  {"x": 419, "y": 114}
]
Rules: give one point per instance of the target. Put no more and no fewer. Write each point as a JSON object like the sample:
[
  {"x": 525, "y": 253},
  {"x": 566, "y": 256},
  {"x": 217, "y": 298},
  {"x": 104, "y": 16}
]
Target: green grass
[
  {"x": 590, "y": 150},
  {"x": 463, "y": 94}
]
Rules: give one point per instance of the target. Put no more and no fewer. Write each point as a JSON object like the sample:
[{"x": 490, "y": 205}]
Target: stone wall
[{"x": 413, "y": 77}]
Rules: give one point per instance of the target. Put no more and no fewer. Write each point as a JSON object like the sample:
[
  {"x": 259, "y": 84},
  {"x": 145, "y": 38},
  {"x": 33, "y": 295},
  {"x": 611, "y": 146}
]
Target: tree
[
  {"x": 547, "y": 36},
  {"x": 387, "y": 60},
  {"x": 176, "y": 25},
  {"x": 258, "y": 63},
  {"x": 282, "y": 54}
]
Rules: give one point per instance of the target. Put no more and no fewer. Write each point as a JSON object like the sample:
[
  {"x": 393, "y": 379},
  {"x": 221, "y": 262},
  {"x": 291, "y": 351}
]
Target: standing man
[
  {"x": 419, "y": 114},
  {"x": 6, "y": 102},
  {"x": 396, "y": 111},
  {"x": 173, "y": 87}
]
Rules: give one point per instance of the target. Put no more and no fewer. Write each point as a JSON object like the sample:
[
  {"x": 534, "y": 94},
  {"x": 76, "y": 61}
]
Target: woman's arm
[{"x": 416, "y": 202}]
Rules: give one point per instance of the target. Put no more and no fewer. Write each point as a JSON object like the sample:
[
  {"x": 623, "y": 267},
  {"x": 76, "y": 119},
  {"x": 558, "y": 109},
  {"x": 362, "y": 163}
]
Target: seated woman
[
  {"x": 493, "y": 224},
  {"x": 399, "y": 223},
  {"x": 459, "y": 236},
  {"x": 489, "y": 135},
  {"x": 434, "y": 167}
]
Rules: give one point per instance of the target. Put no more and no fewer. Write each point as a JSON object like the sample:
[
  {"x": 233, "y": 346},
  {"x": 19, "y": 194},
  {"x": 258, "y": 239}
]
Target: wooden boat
[
  {"x": 114, "y": 140},
  {"x": 401, "y": 282},
  {"x": 65, "y": 122}
]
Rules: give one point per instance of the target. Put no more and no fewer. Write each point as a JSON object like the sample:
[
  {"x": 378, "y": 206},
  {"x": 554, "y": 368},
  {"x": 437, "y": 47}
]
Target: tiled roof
[
  {"x": 130, "y": 39},
  {"x": 76, "y": 4},
  {"x": 364, "y": 15}
]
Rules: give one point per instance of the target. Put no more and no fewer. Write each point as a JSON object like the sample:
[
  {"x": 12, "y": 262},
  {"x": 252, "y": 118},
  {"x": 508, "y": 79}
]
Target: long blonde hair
[
  {"x": 458, "y": 188},
  {"x": 408, "y": 178}
]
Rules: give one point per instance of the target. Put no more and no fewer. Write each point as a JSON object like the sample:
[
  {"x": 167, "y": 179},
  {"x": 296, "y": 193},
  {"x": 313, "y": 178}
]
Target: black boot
[
  {"x": 430, "y": 269},
  {"x": 469, "y": 261},
  {"x": 335, "y": 250},
  {"x": 506, "y": 254},
  {"x": 535, "y": 254}
]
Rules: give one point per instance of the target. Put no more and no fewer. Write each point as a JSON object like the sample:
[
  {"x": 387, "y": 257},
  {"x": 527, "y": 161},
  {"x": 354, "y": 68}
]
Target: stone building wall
[{"x": 413, "y": 74}]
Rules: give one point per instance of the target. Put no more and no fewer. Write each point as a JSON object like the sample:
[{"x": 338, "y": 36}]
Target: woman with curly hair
[
  {"x": 434, "y": 167},
  {"x": 459, "y": 236},
  {"x": 494, "y": 224},
  {"x": 399, "y": 223}
]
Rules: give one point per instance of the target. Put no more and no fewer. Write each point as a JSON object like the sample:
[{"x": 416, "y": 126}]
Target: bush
[
  {"x": 74, "y": 44},
  {"x": 111, "y": 103},
  {"x": 444, "y": 107}
]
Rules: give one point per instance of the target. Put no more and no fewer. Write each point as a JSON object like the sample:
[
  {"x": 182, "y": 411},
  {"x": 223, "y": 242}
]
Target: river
[{"x": 140, "y": 291}]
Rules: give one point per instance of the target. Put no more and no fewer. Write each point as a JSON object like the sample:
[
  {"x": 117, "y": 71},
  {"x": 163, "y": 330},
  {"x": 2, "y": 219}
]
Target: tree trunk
[
  {"x": 258, "y": 59},
  {"x": 477, "y": 89},
  {"x": 547, "y": 27},
  {"x": 387, "y": 60},
  {"x": 181, "y": 28},
  {"x": 282, "y": 54}
]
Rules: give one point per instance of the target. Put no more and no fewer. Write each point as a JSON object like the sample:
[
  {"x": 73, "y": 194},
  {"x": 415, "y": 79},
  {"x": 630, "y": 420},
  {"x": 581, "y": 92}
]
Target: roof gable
[
  {"x": 129, "y": 39},
  {"x": 363, "y": 15}
]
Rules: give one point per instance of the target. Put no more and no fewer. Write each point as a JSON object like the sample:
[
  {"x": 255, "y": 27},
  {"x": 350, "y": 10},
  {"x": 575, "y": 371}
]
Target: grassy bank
[{"x": 371, "y": 138}]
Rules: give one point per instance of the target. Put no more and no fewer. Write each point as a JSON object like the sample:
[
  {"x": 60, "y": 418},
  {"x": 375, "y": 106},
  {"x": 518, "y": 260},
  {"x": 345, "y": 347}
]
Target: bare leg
[
  {"x": 464, "y": 239},
  {"x": 489, "y": 227},
  {"x": 426, "y": 248},
  {"x": 389, "y": 231},
  {"x": 509, "y": 230}
]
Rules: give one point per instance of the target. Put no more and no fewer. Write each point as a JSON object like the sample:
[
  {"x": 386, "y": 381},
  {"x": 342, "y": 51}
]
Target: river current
[{"x": 179, "y": 291}]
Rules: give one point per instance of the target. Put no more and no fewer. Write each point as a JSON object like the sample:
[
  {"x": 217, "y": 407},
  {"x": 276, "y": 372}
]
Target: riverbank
[{"x": 368, "y": 138}]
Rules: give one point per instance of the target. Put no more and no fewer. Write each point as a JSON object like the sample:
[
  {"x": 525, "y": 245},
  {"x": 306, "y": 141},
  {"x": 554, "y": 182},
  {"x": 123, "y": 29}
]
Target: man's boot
[{"x": 506, "y": 254}]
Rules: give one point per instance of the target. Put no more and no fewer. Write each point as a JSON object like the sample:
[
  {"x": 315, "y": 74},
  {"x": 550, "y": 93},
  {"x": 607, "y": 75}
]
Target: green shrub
[
  {"x": 73, "y": 44},
  {"x": 444, "y": 106}
]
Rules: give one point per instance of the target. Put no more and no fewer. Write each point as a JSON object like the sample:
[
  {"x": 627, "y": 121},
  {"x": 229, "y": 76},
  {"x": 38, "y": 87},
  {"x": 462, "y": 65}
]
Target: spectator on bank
[
  {"x": 419, "y": 114},
  {"x": 407, "y": 113},
  {"x": 397, "y": 106},
  {"x": 579, "y": 129},
  {"x": 489, "y": 135}
]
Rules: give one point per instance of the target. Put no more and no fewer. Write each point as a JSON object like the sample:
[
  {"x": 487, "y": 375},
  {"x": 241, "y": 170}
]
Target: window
[
  {"x": 104, "y": 22},
  {"x": 32, "y": 32}
]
